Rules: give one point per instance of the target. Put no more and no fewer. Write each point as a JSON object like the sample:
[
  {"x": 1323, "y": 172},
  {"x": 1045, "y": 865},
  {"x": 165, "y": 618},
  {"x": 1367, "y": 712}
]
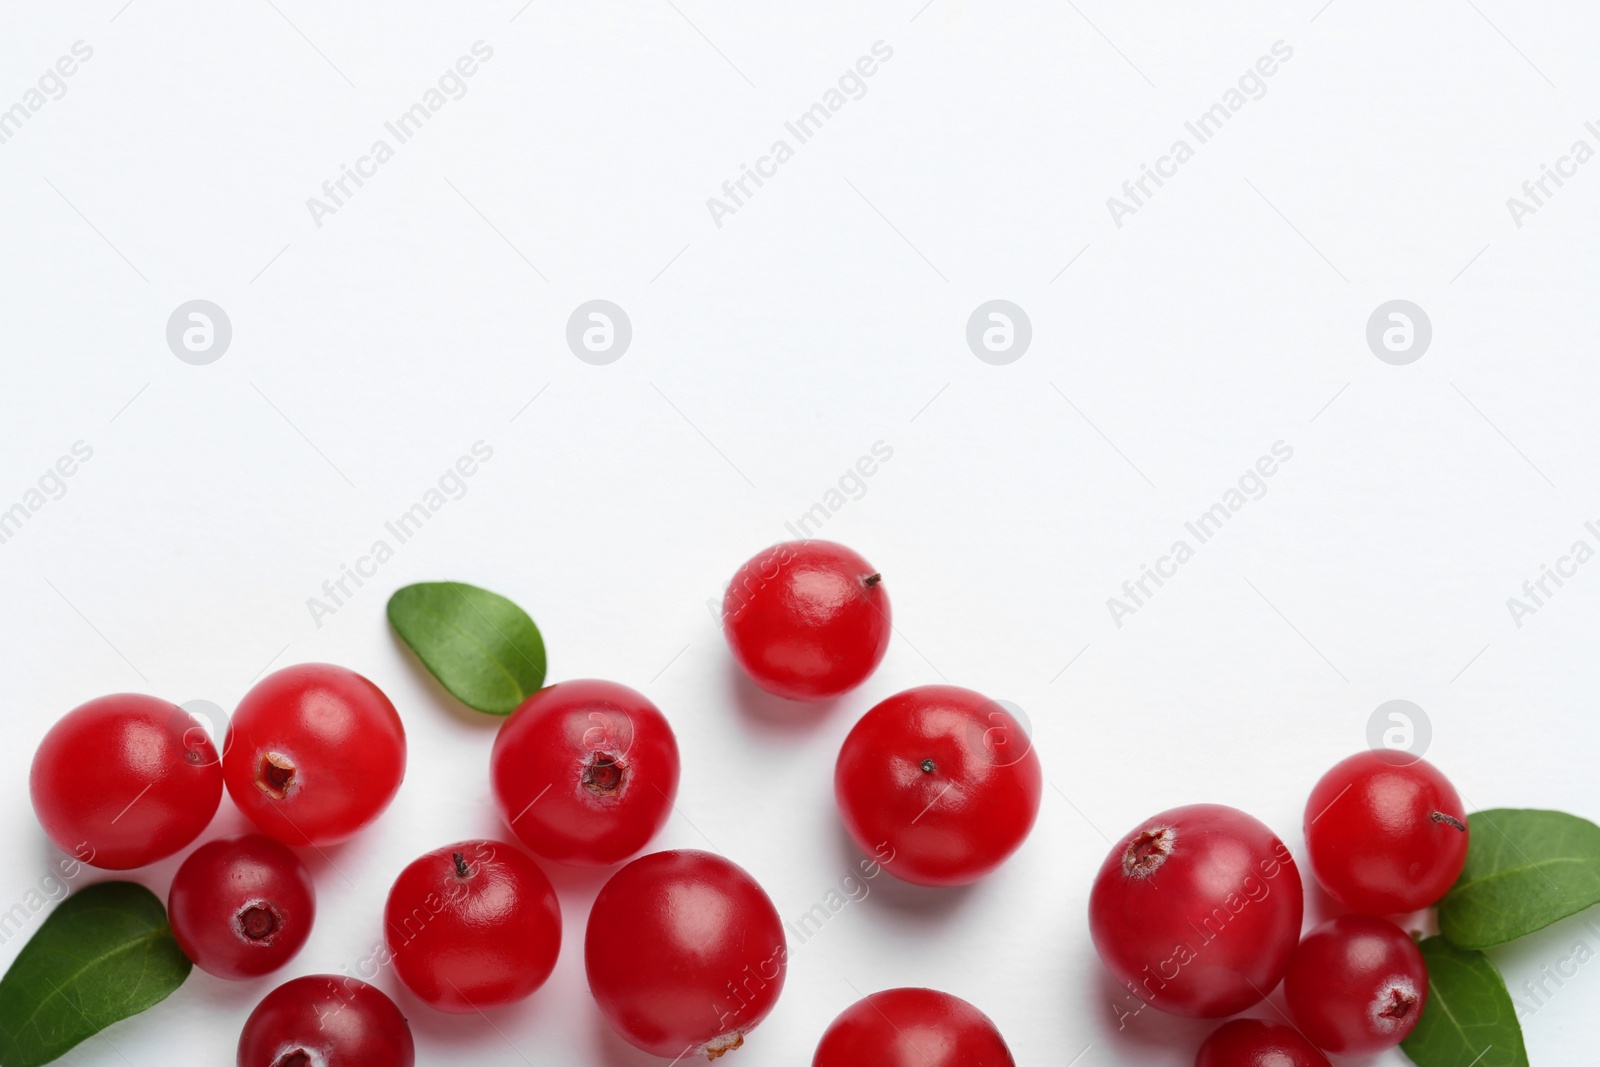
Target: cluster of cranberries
[
  {"x": 684, "y": 952},
  {"x": 313, "y": 754},
  {"x": 1198, "y": 912}
]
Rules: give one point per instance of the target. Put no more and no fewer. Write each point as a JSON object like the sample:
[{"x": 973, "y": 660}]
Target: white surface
[{"x": 789, "y": 340}]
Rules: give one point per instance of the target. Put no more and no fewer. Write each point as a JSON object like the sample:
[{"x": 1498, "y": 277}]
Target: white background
[{"x": 768, "y": 355}]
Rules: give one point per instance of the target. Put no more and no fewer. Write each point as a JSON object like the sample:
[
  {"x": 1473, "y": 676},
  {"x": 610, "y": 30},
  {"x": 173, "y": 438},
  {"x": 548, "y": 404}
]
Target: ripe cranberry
[
  {"x": 241, "y": 907},
  {"x": 807, "y": 620},
  {"x": 1253, "y": 1043},
  {"x": 685, "y": 953},
  {"x": 125, "y": 780},
  {"x": 314, "y": 753},
  {"x": 912, "y": 1028},
  {"x": 584, "y": 772},
  {"x": 941, "y": 780},
  {"x": 473, "y": 926},
  {"x": 1356, "y": 985},
  {"x": 1386, "y": 832},
  {"x": 326, "y": 1020},
  {"x": 1197, "y": 910}
]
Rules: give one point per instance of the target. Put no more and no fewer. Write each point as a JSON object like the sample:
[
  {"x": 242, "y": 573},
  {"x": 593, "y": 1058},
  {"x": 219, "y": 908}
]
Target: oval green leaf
[
  {"x": 1525, "y": 869},
  {"x": 106, "y": 953},
  {"x": 1469, "y": 1018},
  {"x": 483, "y": 648}
]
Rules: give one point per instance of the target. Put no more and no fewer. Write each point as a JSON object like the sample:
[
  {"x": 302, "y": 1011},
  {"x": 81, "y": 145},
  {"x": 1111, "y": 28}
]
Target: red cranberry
[
  {"x": 941, "y": 781},
  {"x": 584, "y": 772},
  {"x": 912, "y": 1028},
  {"x": 241, "y": 907},
  {"x": 685, "y": 954},
  {"x": 1386, "y": 833},
  {"x": 1357, "y": 985},
  {"x": 125, "y": 780},
  {"x": 326, "y": 1020},
  {"x": 1197, "y": 911},
  {"x": 1253, "y": 1043},
  {"x": 473, "y": 926},
  {"x": 807, "y": 620},
  {"x": 314, "y": 753}
]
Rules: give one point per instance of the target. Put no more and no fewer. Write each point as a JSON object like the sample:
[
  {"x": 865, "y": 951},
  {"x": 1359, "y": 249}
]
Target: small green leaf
[
  {"x": 481, "y": 646},
  {"x": 106, "y": 953},
  {"x": 1469, "y": 1018},
  {"x": 1525, "y": 869}
]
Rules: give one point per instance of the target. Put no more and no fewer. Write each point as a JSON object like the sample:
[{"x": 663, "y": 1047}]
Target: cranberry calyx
[
  {"x": 275, "y": 776},
  {"x": 1147, "y": 852},
  {"x": 258, "y": 922},
  {"x": 1400, "y": 1004},
  {"x": 724, "y": 1044},
  {"x": 604, "y": 774}
]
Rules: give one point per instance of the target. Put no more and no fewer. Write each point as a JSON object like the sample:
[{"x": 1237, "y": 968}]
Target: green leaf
[
  {"x": 1469, "y": 1018},
  {"x": 1525, "y": 869},
  {"x": 106, "y": 953},
  {"x": 481, "y": 646}
]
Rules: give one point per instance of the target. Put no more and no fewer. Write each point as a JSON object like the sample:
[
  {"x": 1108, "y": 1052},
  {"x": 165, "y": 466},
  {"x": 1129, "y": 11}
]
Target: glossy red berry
[
  {"x": 584, "y": 772},
  {"x": 125, "y": 780},
  {"x": 807, "y": 620},
  {"x": 1253, "y": 1043},
  {"x": 1357, "y": 985},
  {"x": 912, "y": 1028},
  {"x": 941, "y": 784},
  {"x": 314, "y": 753},
  {"x": 1386, "y": 833},
  {"x": 473, "y": 926},
  {"x": 326, "y": 1020},
  {"x": 1197, "y": 911},
  {"x": 685, "y": 954},
  {"x": 241, "y": 907}
]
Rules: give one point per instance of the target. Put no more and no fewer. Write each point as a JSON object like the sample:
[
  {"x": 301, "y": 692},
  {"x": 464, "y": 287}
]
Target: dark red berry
[
  {"x": 1253, "y": 1043},
  {"x": 326, "y": 1020},
  {"x": 241, "y": 907},
  {"x": 1357, "y": 985}
]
